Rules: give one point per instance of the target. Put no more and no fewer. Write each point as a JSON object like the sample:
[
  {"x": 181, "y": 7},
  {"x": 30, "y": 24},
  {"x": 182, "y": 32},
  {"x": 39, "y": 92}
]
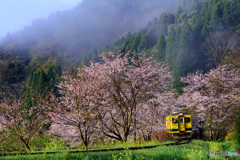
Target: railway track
[{"x": 101, "y": 150}]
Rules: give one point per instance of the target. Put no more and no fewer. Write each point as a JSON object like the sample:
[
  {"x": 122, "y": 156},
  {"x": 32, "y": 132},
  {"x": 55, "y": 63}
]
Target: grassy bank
[{"x": 197, "y": 149}]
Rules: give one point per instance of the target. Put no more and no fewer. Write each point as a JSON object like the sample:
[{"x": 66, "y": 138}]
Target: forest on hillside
[
  {"x": 99, "y": 78},
  {"x": 66, "y": 35},
  {"x": 195, "y": 38},
  {"x": 187, "y": 37}
]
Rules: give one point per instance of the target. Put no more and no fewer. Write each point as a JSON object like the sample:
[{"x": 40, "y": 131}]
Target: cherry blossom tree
[
  {"x": 127, "y": 82},
  {"x": 111, "y": 96},
  {"x": 22, "y": 122},
  {"x": 151, "y": 114},
  {"x": 75, "y": 113},
  {"x": 213, "y": 97}
]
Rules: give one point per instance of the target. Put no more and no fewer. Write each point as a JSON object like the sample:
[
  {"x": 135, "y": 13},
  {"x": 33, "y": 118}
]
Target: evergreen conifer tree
[
  {"x": 170, "y": 47},
  {"x": 59, "y": 70},
  {"x": 28, "y": 99},
  {"x": 42, "y": 82},
  {"x": 163, "y": 24},
  {"x": 143, "y": 43},
  {"x": 161, "y": 46}
]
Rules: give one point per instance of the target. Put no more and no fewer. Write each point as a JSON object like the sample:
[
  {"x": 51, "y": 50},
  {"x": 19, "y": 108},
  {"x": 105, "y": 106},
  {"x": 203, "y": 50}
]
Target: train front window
[
  {"x": 187, "y": 120},
  {"x": 181, "y": 120},
  {"x": 174, "y": 120}
]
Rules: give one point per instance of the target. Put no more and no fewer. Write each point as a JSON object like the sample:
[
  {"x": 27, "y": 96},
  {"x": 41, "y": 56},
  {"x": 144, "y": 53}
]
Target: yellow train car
[{"x": 179, "y": 125}]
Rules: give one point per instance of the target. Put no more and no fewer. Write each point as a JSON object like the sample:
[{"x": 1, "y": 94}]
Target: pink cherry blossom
[{"x": 213, "y": 97}]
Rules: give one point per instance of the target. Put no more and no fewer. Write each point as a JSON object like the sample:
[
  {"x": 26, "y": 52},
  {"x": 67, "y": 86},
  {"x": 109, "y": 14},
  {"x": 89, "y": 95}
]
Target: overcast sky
[{"x": 16, "y": 14}]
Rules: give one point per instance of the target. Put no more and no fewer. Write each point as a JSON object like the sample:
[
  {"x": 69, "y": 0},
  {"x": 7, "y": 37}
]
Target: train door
[{"x": 181, "y": 124}]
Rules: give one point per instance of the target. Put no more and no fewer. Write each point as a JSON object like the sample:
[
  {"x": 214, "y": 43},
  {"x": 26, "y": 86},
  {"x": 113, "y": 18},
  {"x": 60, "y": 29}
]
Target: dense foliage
[{"x": 197, "y": 37}]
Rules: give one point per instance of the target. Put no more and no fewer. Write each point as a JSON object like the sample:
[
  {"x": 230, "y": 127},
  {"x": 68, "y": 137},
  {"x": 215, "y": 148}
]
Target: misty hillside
[
  {"x": 66, "y": 35},
  {"x": 180, "y": 33},
  {"x": 92, "y": 24},
  {"x": 201, "y": 35}
]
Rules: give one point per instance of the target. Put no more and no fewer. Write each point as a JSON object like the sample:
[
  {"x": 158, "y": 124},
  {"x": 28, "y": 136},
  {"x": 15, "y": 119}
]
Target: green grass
[
  {"x": 56, "y": 145},
  {"x": 127, "y": 144},
  {"x": 197, "y": 149}
]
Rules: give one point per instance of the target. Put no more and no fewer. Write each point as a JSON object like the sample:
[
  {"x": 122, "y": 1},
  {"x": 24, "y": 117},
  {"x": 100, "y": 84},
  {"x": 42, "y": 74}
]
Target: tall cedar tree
[{"x": 161, "y": 46}]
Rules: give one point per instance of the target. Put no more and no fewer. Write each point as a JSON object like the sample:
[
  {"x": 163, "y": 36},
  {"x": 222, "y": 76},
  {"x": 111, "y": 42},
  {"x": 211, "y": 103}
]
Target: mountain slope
[
  {"x": 194, "y": 38},
  {"x": 67, "y": 35},
  {"x": 93, "y": 23}
]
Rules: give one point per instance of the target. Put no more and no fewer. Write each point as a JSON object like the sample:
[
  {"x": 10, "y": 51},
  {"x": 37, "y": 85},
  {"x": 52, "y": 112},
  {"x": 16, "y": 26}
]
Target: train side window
[
  {"x": 187, "y": 120},
  {"x": 174, "y": 120}
]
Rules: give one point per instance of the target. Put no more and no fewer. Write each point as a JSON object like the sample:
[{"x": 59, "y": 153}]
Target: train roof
[{"x": 178, "y": 113}]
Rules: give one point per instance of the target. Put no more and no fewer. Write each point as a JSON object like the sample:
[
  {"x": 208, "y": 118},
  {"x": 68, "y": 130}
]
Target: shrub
[
  {"x": 55, "y": 145},
  {"x": 231, "y": 136}
]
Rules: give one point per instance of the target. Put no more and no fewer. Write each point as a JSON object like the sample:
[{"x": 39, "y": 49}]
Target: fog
[
  {"x": 15, "y": 14},
  {"x": 91, "y": 24}
]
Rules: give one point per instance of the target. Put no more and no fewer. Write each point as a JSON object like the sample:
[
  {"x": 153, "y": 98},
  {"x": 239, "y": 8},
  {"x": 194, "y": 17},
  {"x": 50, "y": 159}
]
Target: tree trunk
[
  {"x": 86, "y": 145},
  {"x": 26, "y": 144},
  {"x": 218, "y": 135},
  {"x": 210, "y": 131},
  {"x": 201, "y": 133},
  {"x": 135, "y": 125}
]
